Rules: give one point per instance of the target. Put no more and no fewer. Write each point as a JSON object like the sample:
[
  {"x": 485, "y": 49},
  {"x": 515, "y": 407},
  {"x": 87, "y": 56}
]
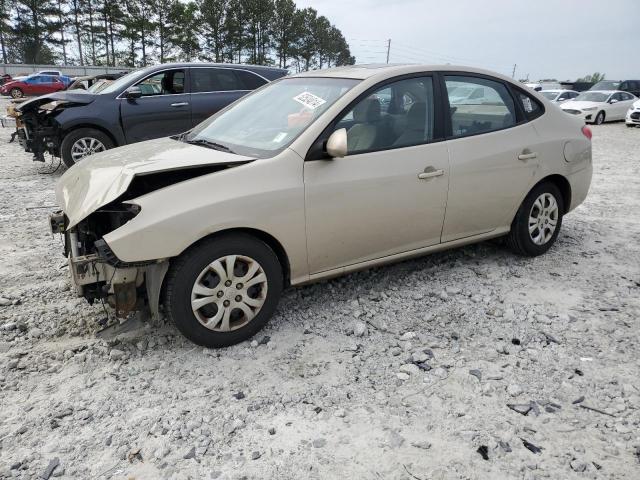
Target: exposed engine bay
[
  {"x": 36, "y": 126},
  {"x": 96, "y": 272}
]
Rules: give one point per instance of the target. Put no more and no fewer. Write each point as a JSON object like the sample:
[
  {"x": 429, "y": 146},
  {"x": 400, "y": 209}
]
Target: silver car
[{"x": 309, "y": 177}]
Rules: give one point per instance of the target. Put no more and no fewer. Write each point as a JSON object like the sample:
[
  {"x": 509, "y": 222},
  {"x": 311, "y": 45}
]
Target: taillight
[{"x": 586, "y": 131}]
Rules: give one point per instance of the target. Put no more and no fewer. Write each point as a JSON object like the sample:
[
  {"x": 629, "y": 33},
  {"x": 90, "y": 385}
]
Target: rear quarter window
[
  {"x": 250, "y": 81},
  {"x": 531, "y": 107}
]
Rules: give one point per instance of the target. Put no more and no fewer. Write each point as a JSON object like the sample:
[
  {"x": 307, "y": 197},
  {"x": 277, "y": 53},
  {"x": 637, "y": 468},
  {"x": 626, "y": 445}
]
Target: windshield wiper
[
  {"x": 180, "y": 136},
  {"x": 209, "y": 144}
]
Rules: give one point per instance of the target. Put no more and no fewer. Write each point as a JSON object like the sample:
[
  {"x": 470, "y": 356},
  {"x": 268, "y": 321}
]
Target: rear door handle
[
  {"x": 527, "y": 156},
  {"x": 180, "y": 104},
  {"x": 430, "y": 173}
]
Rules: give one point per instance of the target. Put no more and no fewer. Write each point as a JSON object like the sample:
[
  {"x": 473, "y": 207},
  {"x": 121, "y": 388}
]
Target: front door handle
[
  {"x": 429, "y": 172},
  {"x": 527, "y": 155},
  {"x": 180, "y": 104}
]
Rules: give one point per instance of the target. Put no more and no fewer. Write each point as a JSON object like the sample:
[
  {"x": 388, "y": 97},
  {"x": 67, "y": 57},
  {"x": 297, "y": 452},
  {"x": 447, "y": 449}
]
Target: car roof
[
  {"x": 211, "y": 64},
  {"x": 384, "y": 70}
]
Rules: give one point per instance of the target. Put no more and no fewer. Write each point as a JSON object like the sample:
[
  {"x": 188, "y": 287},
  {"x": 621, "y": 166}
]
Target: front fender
[
  {"x": 106, "y": 118},
  {"x": 265, "y": 195}
]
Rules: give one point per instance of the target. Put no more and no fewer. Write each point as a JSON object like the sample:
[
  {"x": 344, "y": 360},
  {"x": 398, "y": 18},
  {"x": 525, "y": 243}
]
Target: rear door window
[
  {"x": 478, "y": 105},
  {"x": 215, "y": 80}
]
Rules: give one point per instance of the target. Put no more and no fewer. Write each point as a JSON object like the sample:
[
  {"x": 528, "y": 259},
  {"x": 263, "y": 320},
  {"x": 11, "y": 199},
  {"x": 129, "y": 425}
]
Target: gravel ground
[{"x": 472, "y": 363}]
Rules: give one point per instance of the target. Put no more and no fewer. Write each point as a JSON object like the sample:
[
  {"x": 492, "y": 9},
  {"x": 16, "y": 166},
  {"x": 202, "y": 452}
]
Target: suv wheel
[
  {"x": 537, "y": 222},
  {"x": 224, "y": 290},
  {"x": 16, "y": 93},
  {"x": 83, "y": 142}
]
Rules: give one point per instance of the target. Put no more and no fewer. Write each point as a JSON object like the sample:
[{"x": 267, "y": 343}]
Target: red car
[{"x": 32, "y": 85}]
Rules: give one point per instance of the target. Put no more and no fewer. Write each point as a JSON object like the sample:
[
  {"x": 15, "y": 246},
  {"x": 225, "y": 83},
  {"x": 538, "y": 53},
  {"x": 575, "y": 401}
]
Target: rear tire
[
  {"x": 208, "y": 294},
  {"x": 531, "y": 233},
  {"x": 71, "y": 145},
  {"x": 16, "y": 93},
  {"x": 599, "y": 118}
]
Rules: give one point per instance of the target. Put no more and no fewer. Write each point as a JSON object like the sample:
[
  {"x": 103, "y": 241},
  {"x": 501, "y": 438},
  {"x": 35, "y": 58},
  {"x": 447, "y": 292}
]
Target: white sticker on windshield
[
  {"x": 309, "y": 100},
  {"x": 279, "y": 137}
]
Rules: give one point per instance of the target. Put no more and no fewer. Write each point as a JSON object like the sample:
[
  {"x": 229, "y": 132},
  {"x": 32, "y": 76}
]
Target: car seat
[
  {"x": 363, "y": 135},
  {"x": 414, "y": 132}
]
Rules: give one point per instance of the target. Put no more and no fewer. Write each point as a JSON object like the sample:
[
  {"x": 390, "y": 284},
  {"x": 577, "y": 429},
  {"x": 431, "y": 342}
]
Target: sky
[{"x": 561, "y": 39}]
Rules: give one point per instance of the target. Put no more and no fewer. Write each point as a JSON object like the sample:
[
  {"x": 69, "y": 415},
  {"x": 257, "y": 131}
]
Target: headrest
[
  {"x": 417, "y": 116},
  {"x": 367, "y": 111}
]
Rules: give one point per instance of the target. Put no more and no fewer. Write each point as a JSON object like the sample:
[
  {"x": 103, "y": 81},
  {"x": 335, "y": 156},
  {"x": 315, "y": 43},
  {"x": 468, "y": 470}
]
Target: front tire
[
  {"x": 599, "y": 118},
  {"x": 538, "y": 220},
  {"x": 16, "y": 93},
  {"x": 224, "y": 290},
  {"x": 80, "y": 143}
]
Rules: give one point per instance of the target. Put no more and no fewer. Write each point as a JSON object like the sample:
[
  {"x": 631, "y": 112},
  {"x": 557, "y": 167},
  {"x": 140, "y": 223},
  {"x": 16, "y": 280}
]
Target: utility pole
[
  {"x": 513, "y": 74},
  {"x": 388, "y": 49}
]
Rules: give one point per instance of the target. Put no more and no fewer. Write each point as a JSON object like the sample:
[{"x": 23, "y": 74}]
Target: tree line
[{"x": 136, "y": 33}]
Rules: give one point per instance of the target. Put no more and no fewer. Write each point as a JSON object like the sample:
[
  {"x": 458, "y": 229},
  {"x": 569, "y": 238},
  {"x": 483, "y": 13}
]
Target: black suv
[
  {"x": 149, "y": 103},
  {"x": 631, "y": 86}
]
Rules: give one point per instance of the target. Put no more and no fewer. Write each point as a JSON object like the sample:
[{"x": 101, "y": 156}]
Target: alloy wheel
[
  {"x": 600, "y": 118},
  {"x": 16, "y": 93},
  {"x": 543, "y": 218},
  {"x": 229, "y": 293},
  {"x": 86, "y": 146}
]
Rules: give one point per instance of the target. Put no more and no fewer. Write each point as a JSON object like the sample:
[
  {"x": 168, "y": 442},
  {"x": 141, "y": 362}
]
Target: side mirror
[
  {"x": 132, "y": 93},
  {"x": 337, "y": 143},
  {"x": 613, "y": 100}
]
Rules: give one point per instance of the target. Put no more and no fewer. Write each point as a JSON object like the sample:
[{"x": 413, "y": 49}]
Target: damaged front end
[
  {"x": 96, "y": 272},
  {"x": 102, "y": 195},
  {"x": 36, "y": 126}
]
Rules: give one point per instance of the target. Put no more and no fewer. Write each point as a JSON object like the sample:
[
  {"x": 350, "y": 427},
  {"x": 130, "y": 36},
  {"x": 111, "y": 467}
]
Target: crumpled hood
[
  {"x": 101, "y": 178},
  {"x": 581, "y": 105},
  {"x": 72, "y": 96}
]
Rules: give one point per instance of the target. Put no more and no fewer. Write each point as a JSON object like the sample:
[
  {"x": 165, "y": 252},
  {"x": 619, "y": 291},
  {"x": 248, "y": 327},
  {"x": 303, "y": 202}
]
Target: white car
[
  {"x": 599, "y": 106},
  {"x": 559, "y": 96},
  {"x": 633, "y": 115}
]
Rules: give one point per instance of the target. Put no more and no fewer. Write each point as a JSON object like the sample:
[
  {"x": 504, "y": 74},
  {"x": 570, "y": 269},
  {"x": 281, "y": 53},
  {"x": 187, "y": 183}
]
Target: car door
[
  {"x": 388, "y": 195},
  {"x": 212, "y": 89},
  {"x": 50, "y": 84},
  {"x": 626, "y": 102},
  {"x": 163, "y": 109},
  {"x": 35, "y": 85},
  {"x": 493, "y": 154},
  {"x": 618, "y": 107}
]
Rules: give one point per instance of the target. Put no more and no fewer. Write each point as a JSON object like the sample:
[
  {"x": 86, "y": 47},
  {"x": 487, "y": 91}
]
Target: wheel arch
[
  {"x": 261, "y": 235},
  {"x": 563, "y": 185},
  {"x": 66, "y": 131}
]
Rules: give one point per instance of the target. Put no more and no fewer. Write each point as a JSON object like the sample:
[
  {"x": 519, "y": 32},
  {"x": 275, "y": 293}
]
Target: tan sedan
[{"x": 313, "y": 176}]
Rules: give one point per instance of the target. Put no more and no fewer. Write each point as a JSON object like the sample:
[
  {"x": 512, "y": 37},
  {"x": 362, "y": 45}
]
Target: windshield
[
  {"x": 592, "y": 97},
  {"x": 100, "y": 86},
  {"x": 606, "y": 85},
  {"x": 549, "y": 95},
  {"x": 264, "y": 123},
  {"x": 118, "y": 84}
]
